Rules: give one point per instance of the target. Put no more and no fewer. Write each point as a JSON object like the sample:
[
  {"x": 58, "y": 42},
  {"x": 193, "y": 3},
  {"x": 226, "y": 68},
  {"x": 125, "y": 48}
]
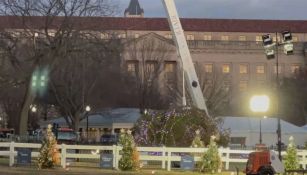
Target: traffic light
[
  {"x": 269, "y": 46},
  {"x": 287, "y": 41}
]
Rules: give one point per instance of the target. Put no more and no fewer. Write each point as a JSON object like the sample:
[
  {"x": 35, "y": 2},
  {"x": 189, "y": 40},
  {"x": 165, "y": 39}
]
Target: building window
[
  {"x": 104, "y": 36},
  {"x": 168, "y": 36},
  {"x": 224, "y": 38},
  {"x": 170, "y": 71},
  {"x": 279, "y": 69},
  {"x": 209, "y": 83},
  {"x": 226, "y": 68},
  {"x": 207, "y": 37},
  {"x": 260, "y": 69},
  {"x": 136, "y": 35},
  {"x": 169, "y": 66},
  {"x": 151, "y": 66},
  {"x": 51, "y": 34},
  {"x": 243, "y": 68},
  {"x": 258, "y": 38},
  {"x": 274, "y": 38},
  {"x": 208, "y": 68},
  {"x": 294, "y": 38},
  {"x": 190, "y": 37},
  {"x": 122, "y": 36},
  {"x": 295, "y": 68},
  {"x": 226, "y": 86},
  {"x": 132, "y": 67},
  {"x": 242, "y": 38},
  {"x": 243, "y": 85}
]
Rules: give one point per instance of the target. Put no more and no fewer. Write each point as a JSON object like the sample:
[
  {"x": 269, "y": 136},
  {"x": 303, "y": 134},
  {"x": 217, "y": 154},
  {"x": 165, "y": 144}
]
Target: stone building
[{"x": 227, "y": 48}]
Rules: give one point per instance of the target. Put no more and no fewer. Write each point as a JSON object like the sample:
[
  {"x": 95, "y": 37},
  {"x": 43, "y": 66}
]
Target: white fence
[{"x": 165, "y": 155}]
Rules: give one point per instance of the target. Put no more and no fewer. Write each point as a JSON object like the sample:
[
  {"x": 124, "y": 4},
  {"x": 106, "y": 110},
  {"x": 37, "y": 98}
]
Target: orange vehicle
[{"x": 263, "y": 162}]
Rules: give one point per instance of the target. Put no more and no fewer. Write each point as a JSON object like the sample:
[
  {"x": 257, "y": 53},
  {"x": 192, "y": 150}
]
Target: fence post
[
  {"x": 12, "y": 154},
  {"x": 114, "y": 156},
  {"x": 163, "y": 157},
  {"x": 169, "y": 154},
  {"x": 117, "y": 157},
  {"x": 227, "y": 158},
  {"x": 63, "y": 155}
]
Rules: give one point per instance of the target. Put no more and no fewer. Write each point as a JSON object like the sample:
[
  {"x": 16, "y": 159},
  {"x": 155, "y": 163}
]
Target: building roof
[
  {"x": 105, "y": 117},
  {"x": 134, "y": 8},
  {"x": 251, "y": 124},
  {"x": 160, "y": 24}
]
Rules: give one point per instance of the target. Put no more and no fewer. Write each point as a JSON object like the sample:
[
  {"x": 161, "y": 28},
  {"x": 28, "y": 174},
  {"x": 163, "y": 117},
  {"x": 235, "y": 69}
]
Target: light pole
[
  {"x": 270, "y": 48},
  {"x": 259, "y": 104},
  {"x": 87, "y": 109}
]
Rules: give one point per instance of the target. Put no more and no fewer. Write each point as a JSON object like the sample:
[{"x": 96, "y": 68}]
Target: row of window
[
  {"x": 227, "y": 38},
  {"x": 189, "y": 37},
  {"x": 151, "y": 66},
  {"x": 170, "y": 67},
  {"x": 242, "y": 86},
  {"x": 244, "y": 68}
]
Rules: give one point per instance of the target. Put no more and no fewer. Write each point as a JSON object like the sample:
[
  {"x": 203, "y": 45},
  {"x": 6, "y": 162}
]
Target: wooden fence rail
[{"x": 165, "y": 155}]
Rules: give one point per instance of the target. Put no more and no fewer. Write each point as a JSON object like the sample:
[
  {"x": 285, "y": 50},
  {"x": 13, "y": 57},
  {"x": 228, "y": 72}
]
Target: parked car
[
  {"x": 66, "y": 136},
  {"x": 109, "y": 139}
]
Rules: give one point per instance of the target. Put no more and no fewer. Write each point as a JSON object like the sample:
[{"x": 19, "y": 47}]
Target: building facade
[{"x": 228, "y": 48}]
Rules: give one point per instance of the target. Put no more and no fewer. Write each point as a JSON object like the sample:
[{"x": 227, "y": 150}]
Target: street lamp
[
  {"x": 87, "y": 109},
  {"x": 259, "y": 103},
  {"x": 270, "y": 49},
  {"x": 33, "y": 109}
]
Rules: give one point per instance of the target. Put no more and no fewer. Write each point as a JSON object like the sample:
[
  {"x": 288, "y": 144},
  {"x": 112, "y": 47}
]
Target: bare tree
[
  {"x": 148, "y": 53},
  {"x": 47, "y": 34},
  {"x": 215, "y": 87}
]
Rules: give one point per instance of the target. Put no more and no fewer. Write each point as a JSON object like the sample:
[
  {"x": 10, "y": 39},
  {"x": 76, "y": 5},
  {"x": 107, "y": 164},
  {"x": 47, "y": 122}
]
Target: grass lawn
[{"x": 32, "y": 170}]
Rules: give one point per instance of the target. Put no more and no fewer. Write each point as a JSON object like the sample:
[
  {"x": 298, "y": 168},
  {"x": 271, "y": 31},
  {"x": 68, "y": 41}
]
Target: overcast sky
[{"x": 237, "y": 9}]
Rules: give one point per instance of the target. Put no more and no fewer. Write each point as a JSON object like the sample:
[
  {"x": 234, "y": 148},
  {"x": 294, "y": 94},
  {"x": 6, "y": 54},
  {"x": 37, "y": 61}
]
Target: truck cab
[{"x": 263, "y": 162}]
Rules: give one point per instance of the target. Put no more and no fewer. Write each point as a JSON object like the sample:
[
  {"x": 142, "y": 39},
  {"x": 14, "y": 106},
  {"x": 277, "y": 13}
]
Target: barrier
[{"x": 165, "y": 155}]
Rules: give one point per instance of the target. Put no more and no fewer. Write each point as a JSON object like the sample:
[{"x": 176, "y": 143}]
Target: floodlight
[
  {"x": 288, "y": 48},
  {"x": 267, "y": 40},
  {"x": 286, "y": 36},
  {"x": 270, "y": 53}
]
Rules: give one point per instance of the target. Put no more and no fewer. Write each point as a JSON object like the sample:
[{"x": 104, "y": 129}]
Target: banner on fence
[
  {"x": 106, "y": 160},
  {"x": 24, "y": 156},
  {"x": 187, "y": 162}
]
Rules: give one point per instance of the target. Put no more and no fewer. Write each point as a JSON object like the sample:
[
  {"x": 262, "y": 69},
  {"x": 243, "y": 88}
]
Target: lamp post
[
  {"x": 270, "y": 48},
  {"x": 259, "y": 104},
  {"x": 87, "y": 109}
]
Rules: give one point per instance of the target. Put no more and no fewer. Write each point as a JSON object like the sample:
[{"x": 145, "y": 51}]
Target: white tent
[{"x": 248, "y": 130}]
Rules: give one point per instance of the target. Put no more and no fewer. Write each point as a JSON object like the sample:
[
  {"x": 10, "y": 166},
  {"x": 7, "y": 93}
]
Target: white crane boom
[{"x": 187, "y": 63}]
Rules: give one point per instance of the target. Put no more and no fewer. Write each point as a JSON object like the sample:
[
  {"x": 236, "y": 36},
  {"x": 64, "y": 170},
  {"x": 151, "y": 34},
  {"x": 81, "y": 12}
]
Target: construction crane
[{"x": 184, "y": 53}]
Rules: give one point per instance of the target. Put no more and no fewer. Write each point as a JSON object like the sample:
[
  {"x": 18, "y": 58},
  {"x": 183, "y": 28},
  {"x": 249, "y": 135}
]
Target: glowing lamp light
[{"x": 259, "y": 103}]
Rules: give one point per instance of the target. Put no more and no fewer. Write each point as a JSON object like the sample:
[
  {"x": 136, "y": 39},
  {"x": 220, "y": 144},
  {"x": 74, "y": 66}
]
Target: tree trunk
[{"x": 24, "y": 114}]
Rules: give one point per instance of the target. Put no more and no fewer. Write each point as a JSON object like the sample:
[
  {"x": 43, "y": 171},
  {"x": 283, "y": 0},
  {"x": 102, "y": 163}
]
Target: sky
[{"x": 227, "y": 9}]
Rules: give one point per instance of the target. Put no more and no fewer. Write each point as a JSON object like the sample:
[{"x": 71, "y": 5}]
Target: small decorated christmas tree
[
  {"x": 49, "y": 155},
  {"x": 291, "y": 162},
  {"x": 211, "y": 160},
  {"x": 130, "y": 156},
  {"x": 197, "y": 143}
]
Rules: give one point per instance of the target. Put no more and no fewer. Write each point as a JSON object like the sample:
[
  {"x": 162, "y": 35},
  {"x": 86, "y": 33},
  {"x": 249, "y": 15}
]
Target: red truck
[{"x": 263, "y": 163}]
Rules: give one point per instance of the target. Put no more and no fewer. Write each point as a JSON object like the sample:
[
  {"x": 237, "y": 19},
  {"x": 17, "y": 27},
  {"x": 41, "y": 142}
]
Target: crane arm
[{"x": 187, "y": 63}]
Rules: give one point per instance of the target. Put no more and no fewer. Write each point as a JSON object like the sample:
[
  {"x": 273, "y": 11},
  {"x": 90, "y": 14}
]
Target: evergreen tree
[
  {"x": 211, "y": 160},
  {"x": 49, "y": 155},
  {"x": 291, "y": 162},
  {"x": 130, "y": 156},
  {"x": 197, "y": 142}
]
